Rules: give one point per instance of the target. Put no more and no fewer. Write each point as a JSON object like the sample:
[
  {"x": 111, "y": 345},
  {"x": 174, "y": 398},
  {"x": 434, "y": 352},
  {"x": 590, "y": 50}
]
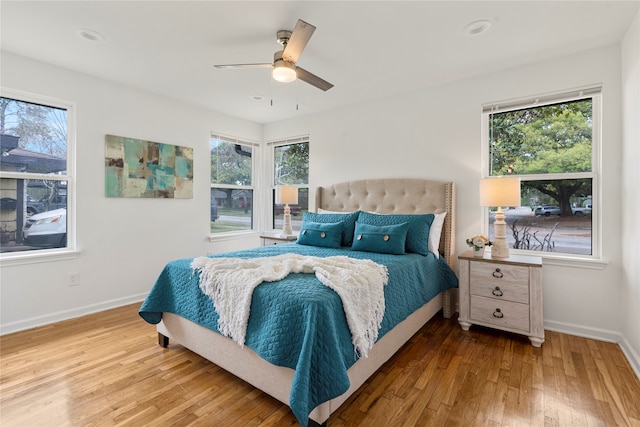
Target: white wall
[
  {"x": 124, "y": 243},
  {"x": 435, "y": 133},
  {"x": 631, "y": 189}
]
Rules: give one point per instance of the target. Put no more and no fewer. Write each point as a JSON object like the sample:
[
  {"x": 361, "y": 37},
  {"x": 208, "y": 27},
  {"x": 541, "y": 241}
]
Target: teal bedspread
[{"x": 298, "y": 322}]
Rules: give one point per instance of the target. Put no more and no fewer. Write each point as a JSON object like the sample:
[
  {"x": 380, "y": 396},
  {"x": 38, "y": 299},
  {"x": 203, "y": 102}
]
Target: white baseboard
[
  {"x": 601, "y": 335},
  {"x": 631, "y": 355},
  {"x": 34, "y": 322}
]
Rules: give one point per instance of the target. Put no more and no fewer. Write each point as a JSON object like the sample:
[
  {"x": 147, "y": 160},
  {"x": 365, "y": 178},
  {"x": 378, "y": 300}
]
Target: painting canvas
[{"x": 137, "y": 168}]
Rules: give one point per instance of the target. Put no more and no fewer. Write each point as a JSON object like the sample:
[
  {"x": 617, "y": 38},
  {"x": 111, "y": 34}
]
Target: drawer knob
[
  {"x": 497, "y": 292},
  {"x": 498, "y": 314},
  {"x": 498, "y": 274}
]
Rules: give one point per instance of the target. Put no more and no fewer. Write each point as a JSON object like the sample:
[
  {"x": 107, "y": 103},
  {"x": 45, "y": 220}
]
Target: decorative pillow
[
  {"x": 434, "y": 233},
  {"x": 386, "y": 239},
  {"x": 419, "y": 225},
  {"x": 327, "y": 235},
  {"x": 348, "y": 219}
]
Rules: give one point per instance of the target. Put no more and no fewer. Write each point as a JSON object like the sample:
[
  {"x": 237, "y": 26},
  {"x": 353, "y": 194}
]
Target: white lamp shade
[
  {"x": 287, "y": 194},
  {"x": 500, "y": 191}
]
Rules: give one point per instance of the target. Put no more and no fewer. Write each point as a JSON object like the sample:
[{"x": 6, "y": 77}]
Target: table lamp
[
  {"x": 499, "y": 192},
  {"x": 287, "y": 194}
]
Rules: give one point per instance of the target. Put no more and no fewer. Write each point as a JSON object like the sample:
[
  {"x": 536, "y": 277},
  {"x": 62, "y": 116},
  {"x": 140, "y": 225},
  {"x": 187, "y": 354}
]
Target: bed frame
[{"x": 414, "y": 196}]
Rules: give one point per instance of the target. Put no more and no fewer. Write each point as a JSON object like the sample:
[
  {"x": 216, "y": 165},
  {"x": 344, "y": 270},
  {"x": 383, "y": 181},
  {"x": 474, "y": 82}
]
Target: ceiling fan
[{"x": 284, "y": 61}]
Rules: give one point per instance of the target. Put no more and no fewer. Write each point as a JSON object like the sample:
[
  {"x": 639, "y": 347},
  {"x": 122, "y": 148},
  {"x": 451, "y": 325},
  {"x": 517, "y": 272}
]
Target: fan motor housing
[
  {"x": 278, "y": 61},
  {"x": 283, "y": 37}
]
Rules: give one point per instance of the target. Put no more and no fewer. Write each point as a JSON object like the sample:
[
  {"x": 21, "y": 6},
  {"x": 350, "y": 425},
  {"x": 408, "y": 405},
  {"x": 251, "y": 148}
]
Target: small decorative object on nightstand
[
  {"x": 504, "y": 294},
  {"x": 277, "y": 239},
  {"x": 478, "y": 244}
]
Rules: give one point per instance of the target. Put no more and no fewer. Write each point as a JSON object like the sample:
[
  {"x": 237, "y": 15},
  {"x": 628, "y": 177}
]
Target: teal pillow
[
  {"x": 348, "y": 219},
  {"x": 386, "y": 239},
  {"x": 419, "y": 226},
  {"x": 317, "y": 234}
]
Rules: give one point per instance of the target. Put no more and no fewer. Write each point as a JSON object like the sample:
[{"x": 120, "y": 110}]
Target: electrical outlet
[{"x": 74, "y": 279}]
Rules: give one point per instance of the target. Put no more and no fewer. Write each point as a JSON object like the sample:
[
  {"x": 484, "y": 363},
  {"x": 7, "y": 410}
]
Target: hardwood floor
[{"x": 107, "y": 369}]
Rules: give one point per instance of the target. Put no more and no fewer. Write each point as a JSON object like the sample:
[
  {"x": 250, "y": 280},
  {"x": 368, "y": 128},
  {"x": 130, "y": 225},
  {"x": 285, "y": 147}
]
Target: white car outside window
[{"x": 47, "y": 229}]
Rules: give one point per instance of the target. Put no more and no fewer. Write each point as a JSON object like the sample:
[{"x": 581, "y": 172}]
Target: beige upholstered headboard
[{"x": 402, "y": 196}]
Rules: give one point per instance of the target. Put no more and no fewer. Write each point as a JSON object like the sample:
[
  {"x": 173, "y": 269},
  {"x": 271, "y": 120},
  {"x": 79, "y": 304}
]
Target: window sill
[
  {"x": 568, "y": 260},
  {"x": 232, "y": 236},
  {"x": 34, "y": 257},
  {"x": 593, "y": 264}
]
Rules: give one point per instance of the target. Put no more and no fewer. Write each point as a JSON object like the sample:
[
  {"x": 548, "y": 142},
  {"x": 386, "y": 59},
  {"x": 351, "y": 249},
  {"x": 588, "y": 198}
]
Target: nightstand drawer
[
  {"x": 501, "y": 291},
  {"x": 277, "y": 239},
  {"x": 511, "y": 315},
  {"x": 497, "y": 274},
  {"x": 266, "y": 241}
]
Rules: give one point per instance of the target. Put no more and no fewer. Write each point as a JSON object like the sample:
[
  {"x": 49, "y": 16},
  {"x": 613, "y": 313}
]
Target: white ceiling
[{"x": 367, "y": 49}]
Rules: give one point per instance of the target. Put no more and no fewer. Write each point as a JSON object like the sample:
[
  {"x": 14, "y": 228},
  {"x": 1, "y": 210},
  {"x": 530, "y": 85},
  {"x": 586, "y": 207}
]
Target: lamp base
[
  {"x": 500, "y": 248},
  {"x": 286, "y": 224}
]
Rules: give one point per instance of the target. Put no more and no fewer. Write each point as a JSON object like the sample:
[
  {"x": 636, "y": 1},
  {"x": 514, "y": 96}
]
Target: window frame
[
  {"x": 271, "y": 146},
  {"x": 255, "y": 157},
  {"x": 70, "y": 251},
  {"x": 595, "y": 259}
]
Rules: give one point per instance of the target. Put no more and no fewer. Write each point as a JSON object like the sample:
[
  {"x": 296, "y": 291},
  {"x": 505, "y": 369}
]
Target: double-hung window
[
  {"x": 290, "y": 167},
  {"x": 552, "y": 143},
  {"x": 36, "y": 173},
  {"x": 233, "y": 162}
]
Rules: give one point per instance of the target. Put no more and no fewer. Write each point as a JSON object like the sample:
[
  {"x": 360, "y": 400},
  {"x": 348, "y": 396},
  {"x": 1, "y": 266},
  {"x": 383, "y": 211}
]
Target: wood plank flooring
[{"x": 106, "y": 369}]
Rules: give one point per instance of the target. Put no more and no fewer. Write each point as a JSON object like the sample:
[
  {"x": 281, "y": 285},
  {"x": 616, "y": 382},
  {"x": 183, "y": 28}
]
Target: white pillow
[
  {"x": 434, "y": 233},
  {"x": 324, "y": 211}
]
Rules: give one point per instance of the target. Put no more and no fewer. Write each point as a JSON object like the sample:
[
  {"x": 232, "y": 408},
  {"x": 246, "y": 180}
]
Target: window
[
  {"x": 232, "y": 169},
  {"x": 552, "y": 144},
  {"x": 35, "y": 173},
  {"x": 291, "y": 167}
]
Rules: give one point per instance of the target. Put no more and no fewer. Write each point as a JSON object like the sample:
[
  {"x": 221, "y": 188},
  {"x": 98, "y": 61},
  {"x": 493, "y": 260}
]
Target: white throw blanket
[{"x": 230, "y": 282}]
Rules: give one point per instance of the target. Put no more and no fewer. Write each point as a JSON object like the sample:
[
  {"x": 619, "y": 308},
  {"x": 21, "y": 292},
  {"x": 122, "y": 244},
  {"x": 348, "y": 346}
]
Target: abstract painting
[{"x": 146, "y": 169}]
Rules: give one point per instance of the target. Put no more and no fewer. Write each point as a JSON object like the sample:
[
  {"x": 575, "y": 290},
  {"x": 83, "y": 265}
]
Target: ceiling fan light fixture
[
  {"x": 284, "y": 68},
  {"x": 284, "y": 72}
]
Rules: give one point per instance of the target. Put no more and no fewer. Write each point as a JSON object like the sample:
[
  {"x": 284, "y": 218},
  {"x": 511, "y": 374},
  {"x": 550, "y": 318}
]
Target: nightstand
[
  {"x": 502, "y": 293},
  {"x": 276, "y": 239}
]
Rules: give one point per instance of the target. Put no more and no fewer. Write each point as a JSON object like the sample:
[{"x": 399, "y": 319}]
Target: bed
[{"x": 299, "y": 382}]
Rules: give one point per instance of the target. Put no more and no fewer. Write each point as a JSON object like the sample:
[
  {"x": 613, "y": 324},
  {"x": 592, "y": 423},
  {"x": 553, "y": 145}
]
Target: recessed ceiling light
[
  {"x": 257, "y": 97},
  {"x": 91, "y": 35},
  {"x": 478, "y": 27}
]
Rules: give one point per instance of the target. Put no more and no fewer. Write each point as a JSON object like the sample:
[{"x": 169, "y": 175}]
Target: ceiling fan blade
[
  {"x": 312, "y": 79},
  {"x": 299, "y": 39},
  {"x": 262, "y": 65}
]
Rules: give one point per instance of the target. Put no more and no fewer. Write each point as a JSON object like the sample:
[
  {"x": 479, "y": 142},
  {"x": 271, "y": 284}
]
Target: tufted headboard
[{"x": 401, "y": 196}]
